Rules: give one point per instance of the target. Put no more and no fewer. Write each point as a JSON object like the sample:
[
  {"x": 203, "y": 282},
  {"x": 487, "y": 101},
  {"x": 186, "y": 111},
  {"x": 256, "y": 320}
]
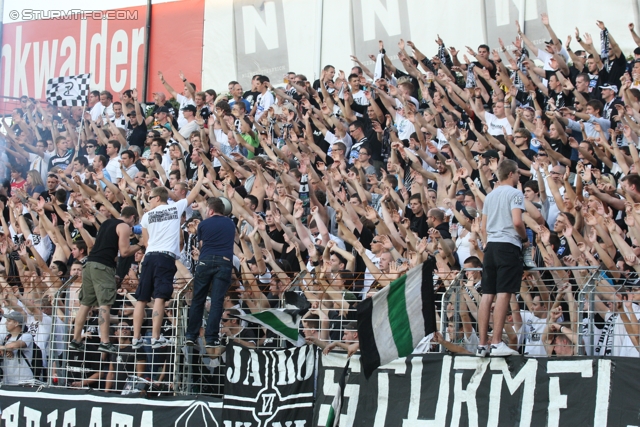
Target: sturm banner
[
  {"x": 269, "y": 388},
  {"x": 442, "y": 390},
  {"x": 26, "y": 407}
]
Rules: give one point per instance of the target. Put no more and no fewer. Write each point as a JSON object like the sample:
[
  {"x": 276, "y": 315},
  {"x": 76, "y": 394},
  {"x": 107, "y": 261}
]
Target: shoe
[
  {"x": 213, "y": 344},
  {"x": 481, "y": 351},
  {"x": 502, "y": 349},
  {"x": 137, "y": 344},
  {"x": 158, "y": 343},
  {"x": 107, "y": 348},
  {"x": 77, "y": 346},
  {"x": 190, "y": 342}
]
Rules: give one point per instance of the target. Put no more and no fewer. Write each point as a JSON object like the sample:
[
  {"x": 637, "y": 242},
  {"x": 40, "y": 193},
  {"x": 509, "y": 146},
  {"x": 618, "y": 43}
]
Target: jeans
[{"x": 211, "y": 273}]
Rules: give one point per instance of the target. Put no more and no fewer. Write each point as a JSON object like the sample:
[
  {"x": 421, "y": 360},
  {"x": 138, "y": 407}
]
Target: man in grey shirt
[{"x": 502, "y": 271}]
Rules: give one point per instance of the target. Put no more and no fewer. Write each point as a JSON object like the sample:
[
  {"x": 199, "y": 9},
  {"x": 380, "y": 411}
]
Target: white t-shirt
[
  {"x": 495, "y": 124},
  {"x": 113, "y": 167},
  {"x": 15, "y": 367},
  {"x": 532, "y": 328},
  {"x": 188, "y": 129},
  {"x": 163, "y": 225},
  {"x": 40, "y": 332},
  {"x": 38, "y": 163},
  {"x": 405, "y": 127},
  {"x": 184, "y": 101},
  {"x": 264, "y": 101},
  {"x": 622, "y": 344}
]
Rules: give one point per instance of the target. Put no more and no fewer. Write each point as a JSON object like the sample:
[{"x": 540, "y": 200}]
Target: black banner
[
  {"x": 52, "y": 407},
  {"x": 441, "y": 390},
  {"x": 266, "y": 388}
]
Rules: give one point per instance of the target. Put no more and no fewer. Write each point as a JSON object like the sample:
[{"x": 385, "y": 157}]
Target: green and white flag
[
  {"x": 393, "y": 321},
  {"x": 333, "y": 420},
  {"x": 283, "y": 322}
]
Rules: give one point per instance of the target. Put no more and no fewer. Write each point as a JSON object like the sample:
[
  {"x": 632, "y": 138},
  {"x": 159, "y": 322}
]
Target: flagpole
[{"x": 84, "y": 107}]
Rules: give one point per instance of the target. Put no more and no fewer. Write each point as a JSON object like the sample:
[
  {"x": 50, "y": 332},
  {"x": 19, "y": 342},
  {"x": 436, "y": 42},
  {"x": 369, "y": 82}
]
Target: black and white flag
[{"x": 68, "y": 90}]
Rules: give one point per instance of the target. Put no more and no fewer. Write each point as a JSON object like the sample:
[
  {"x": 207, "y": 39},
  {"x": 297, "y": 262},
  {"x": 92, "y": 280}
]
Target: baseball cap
[
  {"x": 611, "y": 87},
  {"x": 461, "y": 192},
  {"x": 490, "y": 154},
  {"x": 132, "y": 113},
  {"x": 162, "y": 110},
  {"x": 189, "y": 107},
  {"x": 168, "y": 126},
  {"x": 15, "y": 315}
]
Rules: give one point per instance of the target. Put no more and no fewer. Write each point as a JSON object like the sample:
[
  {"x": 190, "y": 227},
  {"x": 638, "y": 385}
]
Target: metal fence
[{"x": 567, "y": 311}]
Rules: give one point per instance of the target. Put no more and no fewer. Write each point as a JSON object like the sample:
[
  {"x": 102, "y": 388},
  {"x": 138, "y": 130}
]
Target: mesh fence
[{"x": 558, "y": 312}]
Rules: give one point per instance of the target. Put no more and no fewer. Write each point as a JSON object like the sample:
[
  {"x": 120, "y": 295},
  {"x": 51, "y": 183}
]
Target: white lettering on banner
[
  {"x": 98, "y": 39},
  {"x": 526, "y": 375},
  {"x": 268, "y": 29},
  {"x": 52, "y": 418},
  {"x": 389, "y": 16},
  {"x": 467, "y": 395},
  {"x": 383, "y": 399},
  {"x": 267, "y": 403},
  {"x": 121, "y": 420},
  {"x": 11, "y": 415},
  {"x": 68, "y": 68},
  {"x": 352, "y": 391},
  {"x": 43, "y": 68},
  {"x": 602, "y": 393},
  {"x": 415, "y": 398},
  {"x": 119, "y": 56},
  {"x": 69, "y": 419},
  {"x": 32, "y": 417},
  {"x": 96, "y": 417},
  {"x": 296, "y": 423},
  {"x": 20, "y": 70},
  {"x": 48, "y": 55},
  {"x": 557, "y": 400}
]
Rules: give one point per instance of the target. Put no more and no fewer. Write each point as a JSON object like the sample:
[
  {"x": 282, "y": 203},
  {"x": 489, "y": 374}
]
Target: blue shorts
[{"x": 156, "y": 277}]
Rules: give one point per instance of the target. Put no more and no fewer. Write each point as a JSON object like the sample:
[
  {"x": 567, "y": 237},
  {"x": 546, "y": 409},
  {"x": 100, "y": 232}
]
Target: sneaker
[
  {"x": 77, "y": 346},
  {"x": 502, "y": 350},
  {"x": 137, "y": 343},
  {"x": 190, "y": 342},
  {"x": 158, "y": 343},
  {"x": 107, "y": 348},
  {"x": 213, "y": 344},
  {"x": 481, "y": 351}
]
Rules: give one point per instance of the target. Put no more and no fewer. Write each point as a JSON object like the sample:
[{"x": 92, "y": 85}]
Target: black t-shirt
[
  {"x": 614, "y": 70},
  {"x": 251, "y": 97},
  {"x": 559, "y": 147},
  {"x": 137, "y": 135},
  {"x": 444, "y": 230},
  {"x": 418, "y": 223},
  {"x": 124, "y": 364}
]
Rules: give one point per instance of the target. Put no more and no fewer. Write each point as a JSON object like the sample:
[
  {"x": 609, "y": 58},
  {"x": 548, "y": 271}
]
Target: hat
[
  {"x": 490, "y": 154},
  {"x": 167, "y": 126},
  {"x": 132, "y": 113},
  {"x": 162, "y": 109},
  {"x": 15, "y": 315},
  {"x": 461, "y": 192},
  {"x": 610, "y": 87},
  {"x": 189, "y": 107}
]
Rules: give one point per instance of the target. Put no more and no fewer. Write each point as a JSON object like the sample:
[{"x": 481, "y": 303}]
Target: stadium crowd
[{"x": 352, "y": 178}]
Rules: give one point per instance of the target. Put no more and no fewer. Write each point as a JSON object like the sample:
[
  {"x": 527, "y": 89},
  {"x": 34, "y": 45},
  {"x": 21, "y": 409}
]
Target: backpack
[{"x": 37, "y": 361}]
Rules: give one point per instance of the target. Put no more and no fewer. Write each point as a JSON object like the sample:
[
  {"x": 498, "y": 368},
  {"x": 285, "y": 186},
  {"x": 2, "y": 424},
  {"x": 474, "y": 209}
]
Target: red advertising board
[{"x": 111, "y": 49}]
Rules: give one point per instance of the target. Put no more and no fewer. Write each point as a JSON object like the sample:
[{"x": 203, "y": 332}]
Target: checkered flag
[{"x": 68, "y": 90}]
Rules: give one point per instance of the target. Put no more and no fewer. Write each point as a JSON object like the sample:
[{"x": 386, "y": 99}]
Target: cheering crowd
[{"x": 354, "y": 178}]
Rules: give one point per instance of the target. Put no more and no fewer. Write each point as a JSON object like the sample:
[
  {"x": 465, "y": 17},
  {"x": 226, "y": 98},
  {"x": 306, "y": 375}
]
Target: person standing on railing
[
  {"x": 161, "y": 231},
  {"x": 505, "y": 233},
  {"x": 99, "y": 276},
  {"x": 215, "y": 237}
]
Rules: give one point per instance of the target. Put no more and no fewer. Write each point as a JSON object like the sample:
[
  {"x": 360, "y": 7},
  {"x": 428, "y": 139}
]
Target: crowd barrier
[{"x": 599, "y": 319}]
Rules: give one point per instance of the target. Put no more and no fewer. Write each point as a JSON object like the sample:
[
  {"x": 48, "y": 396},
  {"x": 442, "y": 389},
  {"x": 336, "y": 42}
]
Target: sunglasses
[{"x": 90, "y": 146}]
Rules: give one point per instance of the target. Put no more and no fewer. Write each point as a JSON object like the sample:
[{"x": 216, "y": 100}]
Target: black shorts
[
  {"x": 502, "y": 268},
  {"x": 156, "y": 277}
]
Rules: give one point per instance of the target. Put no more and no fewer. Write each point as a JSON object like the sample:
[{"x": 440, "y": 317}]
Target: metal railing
[{"x": 559, "y": 311}]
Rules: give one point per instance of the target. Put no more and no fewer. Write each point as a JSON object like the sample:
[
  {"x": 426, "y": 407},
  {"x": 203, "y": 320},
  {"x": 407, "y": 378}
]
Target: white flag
[{"x": 68, "y": 90}]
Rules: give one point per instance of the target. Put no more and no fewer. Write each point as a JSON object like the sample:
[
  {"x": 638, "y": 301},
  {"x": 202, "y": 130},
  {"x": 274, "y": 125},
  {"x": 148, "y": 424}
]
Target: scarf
[
  {"x": 471, "y": 78},
  {"x": 444, "y": 56},
  {"x": 607, "y": 336}
]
